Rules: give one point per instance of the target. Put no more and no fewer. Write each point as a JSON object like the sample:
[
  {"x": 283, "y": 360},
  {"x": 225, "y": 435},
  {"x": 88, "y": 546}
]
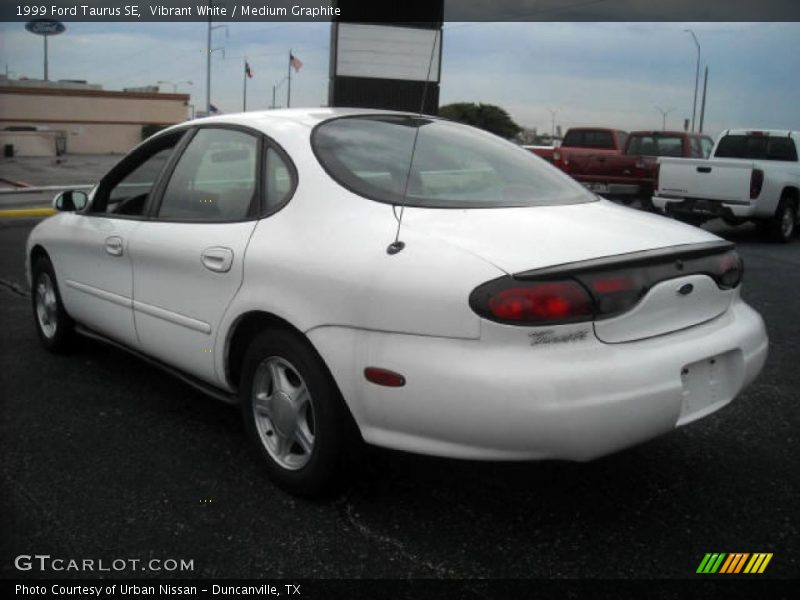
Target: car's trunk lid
[{"x": 556, "y": 241}]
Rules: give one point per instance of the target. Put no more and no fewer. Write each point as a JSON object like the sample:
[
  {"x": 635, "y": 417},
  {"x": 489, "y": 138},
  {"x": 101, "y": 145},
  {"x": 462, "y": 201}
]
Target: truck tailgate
[{"x": 727, "y": 180}]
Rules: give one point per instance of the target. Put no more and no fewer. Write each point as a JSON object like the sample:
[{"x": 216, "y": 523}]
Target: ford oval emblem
[{"x": 686, "y": 289}]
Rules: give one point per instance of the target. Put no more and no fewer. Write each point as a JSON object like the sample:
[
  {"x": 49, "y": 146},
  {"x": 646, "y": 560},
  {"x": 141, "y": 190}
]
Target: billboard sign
[{"x": 387, "y": 52}]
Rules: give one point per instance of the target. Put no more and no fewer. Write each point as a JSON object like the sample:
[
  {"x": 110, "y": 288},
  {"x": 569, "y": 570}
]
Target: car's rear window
[
  {"x": 453, "y": 166},
  {"x": 589, "y": 138},
  {"x": 756, "y": 147},
  {"x": 655, "y": 145}
]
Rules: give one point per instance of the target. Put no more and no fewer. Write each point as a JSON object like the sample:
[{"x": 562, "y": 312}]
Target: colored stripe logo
[{"x": 734, "y": 563}]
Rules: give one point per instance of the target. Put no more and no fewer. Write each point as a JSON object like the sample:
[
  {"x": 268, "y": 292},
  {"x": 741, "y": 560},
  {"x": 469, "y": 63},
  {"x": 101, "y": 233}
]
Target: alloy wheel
[
  {"x": 283, "y": 411},
  {"x": 46, "y": 305}
]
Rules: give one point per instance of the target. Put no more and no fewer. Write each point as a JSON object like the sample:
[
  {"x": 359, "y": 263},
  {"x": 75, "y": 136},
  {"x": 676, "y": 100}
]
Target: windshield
[
  {"x": 454, "y": 166},
  {"x": 758, "y": 147},
  {"x": 655, "y": 145}
]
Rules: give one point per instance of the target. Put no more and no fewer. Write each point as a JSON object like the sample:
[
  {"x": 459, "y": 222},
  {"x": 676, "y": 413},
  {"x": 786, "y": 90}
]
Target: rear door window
[{"x": 215, "y": 178}]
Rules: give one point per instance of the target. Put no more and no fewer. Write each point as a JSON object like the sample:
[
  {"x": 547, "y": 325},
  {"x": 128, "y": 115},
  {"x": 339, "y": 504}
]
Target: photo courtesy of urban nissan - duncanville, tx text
[{"x": 350, "y": 276}]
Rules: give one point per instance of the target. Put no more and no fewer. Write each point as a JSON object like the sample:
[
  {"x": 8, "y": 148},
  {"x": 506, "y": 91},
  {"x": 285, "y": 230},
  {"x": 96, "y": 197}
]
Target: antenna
[{"x": 396, "y": 246}]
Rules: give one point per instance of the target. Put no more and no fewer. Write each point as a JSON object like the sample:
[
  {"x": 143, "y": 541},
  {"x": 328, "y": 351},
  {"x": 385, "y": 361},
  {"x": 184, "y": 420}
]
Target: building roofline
[{"x": 43, "y": 91}]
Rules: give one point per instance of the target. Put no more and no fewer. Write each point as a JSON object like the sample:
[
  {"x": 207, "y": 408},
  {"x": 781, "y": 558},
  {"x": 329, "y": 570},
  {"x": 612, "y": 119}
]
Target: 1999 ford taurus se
[{"x": 403, "y": 280}]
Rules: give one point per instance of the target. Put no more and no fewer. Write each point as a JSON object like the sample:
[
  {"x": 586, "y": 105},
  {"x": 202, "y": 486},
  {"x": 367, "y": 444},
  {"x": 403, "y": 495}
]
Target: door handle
[
  {"x": 217, "y": 259},
  {"x": 114, "y": 245}
]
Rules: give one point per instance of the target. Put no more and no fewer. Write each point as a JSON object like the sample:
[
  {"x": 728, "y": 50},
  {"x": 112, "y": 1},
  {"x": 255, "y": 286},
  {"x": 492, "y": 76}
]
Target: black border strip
[{"x": 413, "y": 11}]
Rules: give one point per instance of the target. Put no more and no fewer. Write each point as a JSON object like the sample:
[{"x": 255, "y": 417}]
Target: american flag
[
  {"x": 295, "y": 62},
  {"x": 247, "y": 70}
]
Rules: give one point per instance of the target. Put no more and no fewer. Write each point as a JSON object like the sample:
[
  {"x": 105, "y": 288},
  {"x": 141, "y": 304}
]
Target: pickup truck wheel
[
  {"x": 294, "y": 412},
  {"x": 781, "y": 227},
  {"x": 54, "y": 326}
]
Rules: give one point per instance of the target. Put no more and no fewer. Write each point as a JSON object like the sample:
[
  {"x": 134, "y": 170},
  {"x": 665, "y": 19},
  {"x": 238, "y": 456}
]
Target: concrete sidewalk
[{"x": 67, "y": 170}]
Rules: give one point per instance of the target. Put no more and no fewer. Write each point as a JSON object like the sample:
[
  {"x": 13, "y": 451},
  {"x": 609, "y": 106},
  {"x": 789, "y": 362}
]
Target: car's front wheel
[
  {"x": 53, "y": 325},
  {"x": 293, "y": 410}
]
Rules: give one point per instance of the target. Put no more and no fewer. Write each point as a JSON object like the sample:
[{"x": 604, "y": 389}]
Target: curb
[
  {"x": 27, "y": 212},
  {"x": 46, "y": 188}
]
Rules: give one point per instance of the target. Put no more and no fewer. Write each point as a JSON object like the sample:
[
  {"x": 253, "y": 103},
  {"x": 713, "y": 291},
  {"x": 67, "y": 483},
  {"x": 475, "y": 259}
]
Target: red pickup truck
[
  {"x": 545, "y": 152},
  {"x": 581, "y": 143},
  {"x": 633, "y": 173}
]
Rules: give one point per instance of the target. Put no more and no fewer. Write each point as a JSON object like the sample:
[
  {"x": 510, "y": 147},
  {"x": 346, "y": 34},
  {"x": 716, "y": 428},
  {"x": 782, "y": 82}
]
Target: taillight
[
  {"x": 599, "y": 289},
  {"x": 756, "y": 182},
  {"x": 532, "y": 303},
  {"x": 730, "y": 270}
]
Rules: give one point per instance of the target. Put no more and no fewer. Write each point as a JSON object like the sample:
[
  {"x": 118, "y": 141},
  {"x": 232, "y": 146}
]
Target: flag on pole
[
  {"x": 295, "y": 63},
  {"x": 247, "y": 70}
]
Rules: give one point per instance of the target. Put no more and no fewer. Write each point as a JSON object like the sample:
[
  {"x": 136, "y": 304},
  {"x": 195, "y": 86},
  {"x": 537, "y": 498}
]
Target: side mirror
[{"x": 70, "y": 201}]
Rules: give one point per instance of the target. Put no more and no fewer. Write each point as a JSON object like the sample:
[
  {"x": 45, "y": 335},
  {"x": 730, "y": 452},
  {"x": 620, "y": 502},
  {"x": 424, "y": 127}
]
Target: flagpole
[
  {"x": 244, "y": 95},
  {"x": 289, "y": 87}
]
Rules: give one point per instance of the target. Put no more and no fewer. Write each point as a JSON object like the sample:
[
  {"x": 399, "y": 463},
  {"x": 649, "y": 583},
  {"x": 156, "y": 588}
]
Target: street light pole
[
  {"x": 664, "y": 114},
  {"x": 703, "y": 103},
  {"x": 553, "y": 114},
  {"x": 696, "y": 75}
]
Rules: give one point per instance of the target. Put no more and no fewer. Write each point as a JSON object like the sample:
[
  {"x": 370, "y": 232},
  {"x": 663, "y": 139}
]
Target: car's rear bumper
[
  {"x": 503, "y": 398},
  {"x": 630, "y": 187},
  {"x": 705, "y": 207}
]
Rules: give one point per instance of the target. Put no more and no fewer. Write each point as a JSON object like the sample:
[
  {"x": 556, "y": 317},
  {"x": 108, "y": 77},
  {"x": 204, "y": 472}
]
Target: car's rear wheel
[
  {"x": 783, "y": 225},
  {"x": 53, "y": 325},
  {"x": 294, "y": 412}
]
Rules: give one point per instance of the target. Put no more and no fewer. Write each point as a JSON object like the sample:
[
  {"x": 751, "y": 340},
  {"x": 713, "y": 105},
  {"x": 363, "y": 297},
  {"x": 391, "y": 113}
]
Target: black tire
[
  {"x": 325, "y": 420},
  {"x": 690, "y": 219},
  {"x": 646, "y": 204},
  {"x": 782, "y": 227},
  {"x": 55, "y": 328}
]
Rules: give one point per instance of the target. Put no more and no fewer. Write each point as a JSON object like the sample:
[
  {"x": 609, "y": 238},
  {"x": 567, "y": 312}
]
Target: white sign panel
[{"x": 387, "y": 52}]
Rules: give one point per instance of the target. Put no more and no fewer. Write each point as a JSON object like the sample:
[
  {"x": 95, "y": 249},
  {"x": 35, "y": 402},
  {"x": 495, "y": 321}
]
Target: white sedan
[{"x": 350, "y": 276}]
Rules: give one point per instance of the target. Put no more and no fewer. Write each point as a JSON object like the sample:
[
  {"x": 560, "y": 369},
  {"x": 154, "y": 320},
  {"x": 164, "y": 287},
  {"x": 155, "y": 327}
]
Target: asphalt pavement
[{"x": 106, "y": 456}]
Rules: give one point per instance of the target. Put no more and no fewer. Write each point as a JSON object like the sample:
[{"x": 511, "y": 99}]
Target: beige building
[{"x": 78, "y": 118}]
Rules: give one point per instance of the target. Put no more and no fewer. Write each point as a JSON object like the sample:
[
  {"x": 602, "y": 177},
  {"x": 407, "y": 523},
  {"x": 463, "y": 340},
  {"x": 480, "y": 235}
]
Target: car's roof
[
  {"x": 308, "y": 117},
  {"x": 767, "y": 132},
  {"x": 666, "y": 133}
]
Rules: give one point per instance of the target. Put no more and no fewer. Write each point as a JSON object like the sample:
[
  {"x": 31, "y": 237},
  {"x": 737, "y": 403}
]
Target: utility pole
[
  {"x": 703, "y": 103},
  {"x": 209, "y": 51},
  {"x": 208, "y": 68},
  {"x": 696, "y": 75}
]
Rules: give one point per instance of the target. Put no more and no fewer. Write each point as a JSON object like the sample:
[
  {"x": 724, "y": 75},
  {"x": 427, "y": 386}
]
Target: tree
[{"x": 486, "y": 116}]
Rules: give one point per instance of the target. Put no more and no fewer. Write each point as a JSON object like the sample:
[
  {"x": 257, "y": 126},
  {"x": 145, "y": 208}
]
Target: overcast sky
[{"x": 612, "y": 74}]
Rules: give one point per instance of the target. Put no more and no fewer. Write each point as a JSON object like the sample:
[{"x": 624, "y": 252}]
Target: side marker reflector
[{"x": 384, "y": 377}]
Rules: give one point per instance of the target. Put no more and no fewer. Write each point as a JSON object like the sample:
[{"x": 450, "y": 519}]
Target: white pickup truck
[{"x": 751, "y": 176}]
